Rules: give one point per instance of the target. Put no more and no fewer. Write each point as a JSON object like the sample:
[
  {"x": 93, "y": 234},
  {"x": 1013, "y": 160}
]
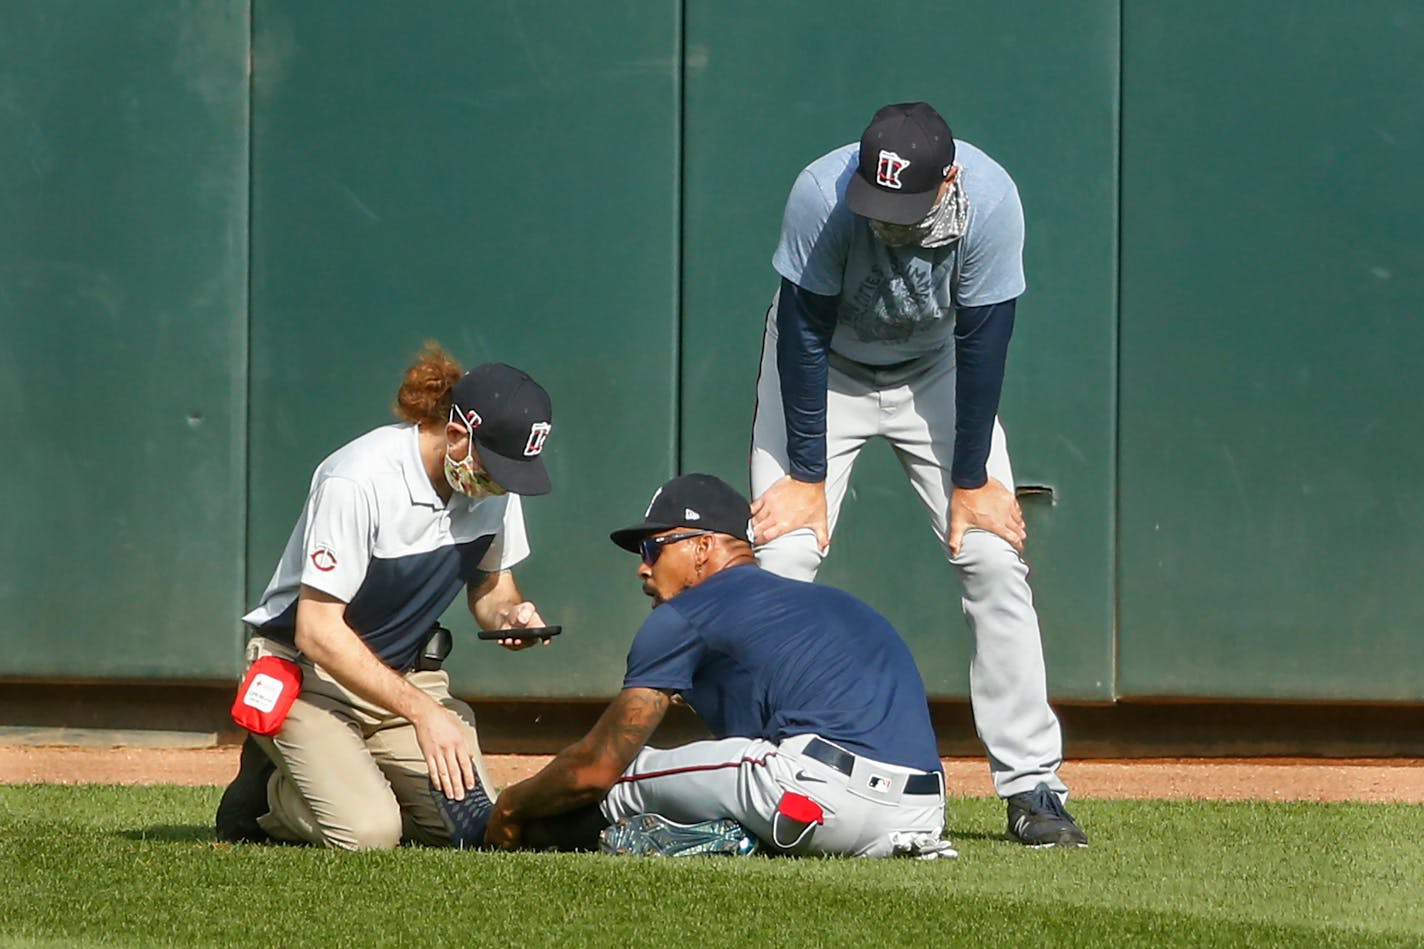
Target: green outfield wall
[
  {"x": 123, "y": 336},
  {"x": 227, "y": 225}
]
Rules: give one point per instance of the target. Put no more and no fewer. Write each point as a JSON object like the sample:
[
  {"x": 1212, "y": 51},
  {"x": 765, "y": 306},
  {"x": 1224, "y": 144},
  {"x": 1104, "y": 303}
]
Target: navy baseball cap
[
  {"x": 905, "y": 152},
  {"x": 698, "y": 501},
  {"x": 509, "y": 415}
]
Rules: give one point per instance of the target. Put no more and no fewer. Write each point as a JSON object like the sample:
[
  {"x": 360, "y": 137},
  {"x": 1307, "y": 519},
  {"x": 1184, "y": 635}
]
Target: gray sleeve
[
  {"x": 991, "y": 270},
  {"x": 812, "y": 249}
]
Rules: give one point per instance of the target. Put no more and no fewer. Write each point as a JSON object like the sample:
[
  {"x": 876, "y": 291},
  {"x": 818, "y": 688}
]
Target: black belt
[
  {"x": 869, "y": 371},
  {"x": 843, "y": 761}
]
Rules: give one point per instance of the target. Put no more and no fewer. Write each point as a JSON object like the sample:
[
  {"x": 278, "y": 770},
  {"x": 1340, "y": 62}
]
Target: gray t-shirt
[{"x": 897, "y": 303}]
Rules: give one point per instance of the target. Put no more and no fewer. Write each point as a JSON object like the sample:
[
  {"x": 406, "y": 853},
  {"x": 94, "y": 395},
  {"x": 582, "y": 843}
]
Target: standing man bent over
[{"x": 901, "y": 262}]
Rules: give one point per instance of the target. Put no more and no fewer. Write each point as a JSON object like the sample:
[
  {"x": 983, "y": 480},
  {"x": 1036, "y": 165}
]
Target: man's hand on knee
[
  {"x": 790, "y": 505},
  {"x": 447, "y": 752},
  {"x": 991, "y": 507}
]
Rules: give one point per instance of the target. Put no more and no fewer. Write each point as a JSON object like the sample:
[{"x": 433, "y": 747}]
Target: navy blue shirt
[{"x": 760, "y": 656}]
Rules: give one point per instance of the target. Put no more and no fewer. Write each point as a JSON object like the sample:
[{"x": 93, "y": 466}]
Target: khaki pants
[{"x": 350, "y": 774}]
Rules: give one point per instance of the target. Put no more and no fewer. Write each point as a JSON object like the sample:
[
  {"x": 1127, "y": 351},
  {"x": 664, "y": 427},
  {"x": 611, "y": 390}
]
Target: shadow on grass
[
  {"x": 171, "y": 833},
  {"x": 953, "y": 834}
]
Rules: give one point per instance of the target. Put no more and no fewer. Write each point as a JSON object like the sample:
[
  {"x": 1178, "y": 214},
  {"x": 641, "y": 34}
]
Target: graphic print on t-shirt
[{"x": 895, "y": 299}]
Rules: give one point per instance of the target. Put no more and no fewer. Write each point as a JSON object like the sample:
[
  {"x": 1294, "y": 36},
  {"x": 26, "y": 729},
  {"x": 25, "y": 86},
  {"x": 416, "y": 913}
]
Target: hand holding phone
[{"x": 532, "y": 632}]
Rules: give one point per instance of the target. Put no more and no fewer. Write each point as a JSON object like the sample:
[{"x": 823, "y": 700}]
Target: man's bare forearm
[
  {"x": 324, "y": 637},
  {"x": 582, "y": 773},
  {"x": 492, "y": 598}
]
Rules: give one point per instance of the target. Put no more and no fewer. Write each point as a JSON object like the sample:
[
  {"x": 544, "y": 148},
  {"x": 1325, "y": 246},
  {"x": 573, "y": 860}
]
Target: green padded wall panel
[
  {"x": 504, "y": 181},
  {"x": 123, "y": 139},
  {"x": 771, "y": 87},
  {"x": 1271, "y": 341}
]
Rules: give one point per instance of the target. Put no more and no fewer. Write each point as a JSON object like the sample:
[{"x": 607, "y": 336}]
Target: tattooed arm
[{"x": 582, "y": 773}]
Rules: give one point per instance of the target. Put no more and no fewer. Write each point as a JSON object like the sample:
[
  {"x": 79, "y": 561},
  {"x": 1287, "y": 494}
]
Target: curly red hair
[{"x": 424, "y": 396}]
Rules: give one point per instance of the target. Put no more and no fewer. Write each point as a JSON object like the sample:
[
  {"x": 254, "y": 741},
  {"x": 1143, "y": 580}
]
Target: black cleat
[
  {"x": 1038, "y": 818},
  {"x": 245, "y": 799}
]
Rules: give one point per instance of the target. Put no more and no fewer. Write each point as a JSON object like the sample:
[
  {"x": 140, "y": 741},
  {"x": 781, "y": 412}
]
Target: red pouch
[
  {"x": 796, "y": 816},
  {"x": 266, "y": 695}
]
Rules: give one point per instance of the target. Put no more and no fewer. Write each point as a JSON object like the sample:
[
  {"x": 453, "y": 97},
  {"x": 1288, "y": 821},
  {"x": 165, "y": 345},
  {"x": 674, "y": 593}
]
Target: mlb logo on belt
[{"x": 887, "y": 171}]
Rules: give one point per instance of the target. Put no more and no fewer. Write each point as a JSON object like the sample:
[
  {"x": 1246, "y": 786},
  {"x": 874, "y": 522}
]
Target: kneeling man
[{"x": 823, "y": 744}]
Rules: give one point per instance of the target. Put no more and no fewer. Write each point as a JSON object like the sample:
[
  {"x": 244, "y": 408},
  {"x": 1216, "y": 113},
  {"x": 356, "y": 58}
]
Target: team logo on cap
[
  {"x": 473, "y": 420},
  {"x": 887, "y": 172},
  {"x": 537, "y": 433}
]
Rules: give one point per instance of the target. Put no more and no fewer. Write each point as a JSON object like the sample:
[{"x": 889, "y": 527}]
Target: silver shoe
[{"x": 653, "y": 835}]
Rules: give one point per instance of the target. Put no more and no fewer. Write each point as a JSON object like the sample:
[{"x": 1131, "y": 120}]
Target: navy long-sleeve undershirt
[
  {"x": 805, "y": 322},
  {"x": 981, "y": 349}
]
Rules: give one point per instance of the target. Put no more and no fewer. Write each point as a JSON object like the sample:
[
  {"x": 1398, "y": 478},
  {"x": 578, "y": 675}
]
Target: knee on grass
[{"x": 378, "y": 828}]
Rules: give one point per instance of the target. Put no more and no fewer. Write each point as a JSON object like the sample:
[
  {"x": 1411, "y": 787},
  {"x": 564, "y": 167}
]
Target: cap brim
[
  {"x": 525, "y": 476},
  {"x": 892, "y": 207},
  {"x": 628, "y": 537}
]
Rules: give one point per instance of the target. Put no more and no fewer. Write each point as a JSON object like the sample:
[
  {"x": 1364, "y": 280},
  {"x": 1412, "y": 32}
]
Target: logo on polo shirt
[{"x": 323, "y": 558}]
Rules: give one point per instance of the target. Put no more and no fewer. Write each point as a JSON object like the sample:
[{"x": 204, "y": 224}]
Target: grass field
[{"x": 138, "y": 867}]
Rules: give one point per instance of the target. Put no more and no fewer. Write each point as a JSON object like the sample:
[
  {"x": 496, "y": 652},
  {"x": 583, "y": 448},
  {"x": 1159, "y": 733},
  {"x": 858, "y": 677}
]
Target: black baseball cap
[
  {"x": 905, "y": 152},
  {"x": 509, "y": 415},
  {"x": 698, "y": 501}
]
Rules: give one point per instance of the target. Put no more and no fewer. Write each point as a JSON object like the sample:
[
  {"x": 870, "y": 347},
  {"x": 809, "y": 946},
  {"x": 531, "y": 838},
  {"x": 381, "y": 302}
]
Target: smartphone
[{"x": 533, "y": 632}]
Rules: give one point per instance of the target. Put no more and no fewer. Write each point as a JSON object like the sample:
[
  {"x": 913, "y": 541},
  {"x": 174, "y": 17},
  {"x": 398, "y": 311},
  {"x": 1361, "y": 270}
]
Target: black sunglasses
[{"x": 652, "y": 547}]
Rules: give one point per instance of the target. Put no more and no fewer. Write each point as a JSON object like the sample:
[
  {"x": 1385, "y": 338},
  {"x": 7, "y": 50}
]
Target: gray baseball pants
[
  {"x": 867, "y": 812},
  {"x": 913, "y": 409}
]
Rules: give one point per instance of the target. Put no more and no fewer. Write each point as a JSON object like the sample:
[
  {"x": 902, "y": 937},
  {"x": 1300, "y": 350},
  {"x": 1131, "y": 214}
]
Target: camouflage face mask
[
  {"x": 944, "y": 224},
  {"x": 466, "y": 476}
]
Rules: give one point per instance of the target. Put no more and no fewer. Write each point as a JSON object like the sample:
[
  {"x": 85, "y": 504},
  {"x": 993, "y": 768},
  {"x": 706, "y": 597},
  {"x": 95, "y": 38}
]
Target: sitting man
[{"x": 823, "y": 739}]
